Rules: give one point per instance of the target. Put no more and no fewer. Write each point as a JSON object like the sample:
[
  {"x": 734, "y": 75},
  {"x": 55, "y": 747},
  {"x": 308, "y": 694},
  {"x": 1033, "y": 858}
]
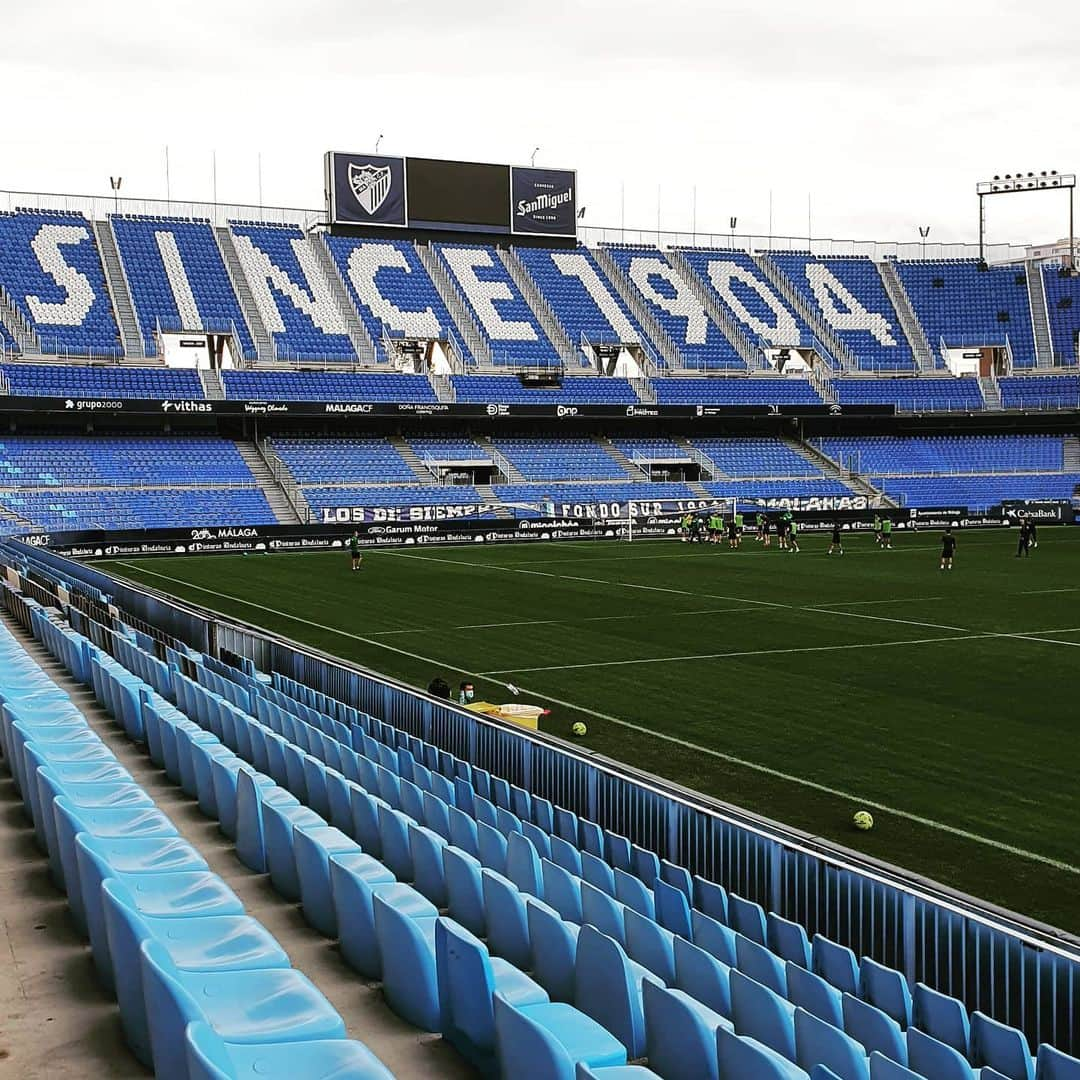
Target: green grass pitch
[{"x": 799, "y": 686}]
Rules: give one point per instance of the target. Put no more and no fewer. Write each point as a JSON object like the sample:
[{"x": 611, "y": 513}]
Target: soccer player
[
  {"x": 760, "y": 527},
  {"x": 697, "y": 529},
  {"x": 793, "y": 535},
  {"x": 877, "y": 529},
  {"x": 354, "y": 550},
  {"x": 837, "y": 541},
  {"x": 687, "y": 521},
  {"x": 1033, "y": 535},
  {"x": 738, "y": 519},
  {"x": 948, "y": 549},
  {"x": 1023, "y": 541},
  {"x": 886, "y": 533},
  {"x": 716, "y": 528},
  {"x": 781, "y": 532},
  {"x": 765, "y": 529}
]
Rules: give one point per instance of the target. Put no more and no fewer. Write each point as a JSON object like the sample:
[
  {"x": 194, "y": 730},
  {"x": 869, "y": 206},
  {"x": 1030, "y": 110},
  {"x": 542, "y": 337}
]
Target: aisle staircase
[
  {"x": 213, "y": 389},
  {"x": 475, "y": 342},
  {"x": 832, "y": 469},
  {"x": 276, "y": 482},
  {"x": 633, "y": 472},
  {"x": 1040, "y": 318},
  {"x": 487, "y": 494},
  {"x": 123, "y": 308},
  {"x": 354, "y": 325},
  {"x": 17, "y": 325},
  {"x": 411, "y": 458},
  {"x": 265, "y": 350},
  {"x": 909, "y": 322},
  {"x": 540, "y": 308},
  {"x": 991, "y": 392}
]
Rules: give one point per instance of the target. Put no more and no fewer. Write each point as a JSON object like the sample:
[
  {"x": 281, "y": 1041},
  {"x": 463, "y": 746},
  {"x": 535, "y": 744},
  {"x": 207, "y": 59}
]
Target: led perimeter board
[{"x": 454, "y": 196}]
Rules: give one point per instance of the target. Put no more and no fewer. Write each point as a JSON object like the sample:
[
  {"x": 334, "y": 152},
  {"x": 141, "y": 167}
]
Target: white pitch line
[
  {"x": 1040, "y": 592},
  {"x": 662, "y": 736},
  {"x": 897, "y": 600}
]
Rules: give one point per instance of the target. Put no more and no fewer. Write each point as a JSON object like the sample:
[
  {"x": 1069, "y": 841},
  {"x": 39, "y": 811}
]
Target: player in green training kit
[
  {"x": 793, "y": 536},
  {"x": 736, "y": 531},
  {"x": 716, "y": 528},
  {"x": 886, "y": 533},
  {"x": 354, "y": 550}
]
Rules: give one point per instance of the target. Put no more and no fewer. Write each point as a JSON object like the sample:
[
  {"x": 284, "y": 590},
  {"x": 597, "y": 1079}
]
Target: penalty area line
[{"x": 719, "y": 755}]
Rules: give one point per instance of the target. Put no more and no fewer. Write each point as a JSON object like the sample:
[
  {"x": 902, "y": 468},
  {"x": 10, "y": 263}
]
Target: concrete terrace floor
[{"x": 57, "y": 1023}]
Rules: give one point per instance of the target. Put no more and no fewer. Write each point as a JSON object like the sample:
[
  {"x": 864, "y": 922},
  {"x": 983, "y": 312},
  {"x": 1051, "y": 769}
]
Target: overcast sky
[{"x": 882, "y": 116}]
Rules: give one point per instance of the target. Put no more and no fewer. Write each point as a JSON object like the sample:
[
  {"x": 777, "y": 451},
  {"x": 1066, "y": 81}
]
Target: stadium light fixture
[
  {"x": 532, "y": 160},
  {"x": 377, "y": 141},
  {"x": 924, "y": 232},
  {"x": 1021, "y": 183},
  {"x": 114, "y": 183}
]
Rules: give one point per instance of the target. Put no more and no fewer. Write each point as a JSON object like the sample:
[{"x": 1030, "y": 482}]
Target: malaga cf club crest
[{"x": 370, "y": 184}]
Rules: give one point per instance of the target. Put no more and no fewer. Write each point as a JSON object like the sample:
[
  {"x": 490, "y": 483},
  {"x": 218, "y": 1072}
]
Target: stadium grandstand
[{"x": 656, "y": 858}]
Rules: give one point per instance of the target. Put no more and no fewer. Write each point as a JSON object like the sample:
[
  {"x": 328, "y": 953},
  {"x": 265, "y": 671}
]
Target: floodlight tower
[{"x": 1018, "y": 183}]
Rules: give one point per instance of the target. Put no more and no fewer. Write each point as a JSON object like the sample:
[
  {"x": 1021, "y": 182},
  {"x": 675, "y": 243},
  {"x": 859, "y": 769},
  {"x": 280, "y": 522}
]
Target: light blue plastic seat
[
  {"x": 554, "y": 949},
  {"x": 1052, "y": 1064},
  {"x": 819, "y": 1043},
  {"x": 437, "y": 815},
  {"x": 876, "y": 1031},
  {"x": 507, "y": 922},
  {"x": 703, "y": 977},
  {"x": 523, "y": 865},
  {"x": 280, "y": 819},
  {"x": 885, "y": 989},
  {"x": 202, "y": 759},
  {"x": 788, "y": 940},
  {"x": 597, "y": 873},
  {"x": 491, "y": 848},
  {"x": 715, "y": 938},
  {"x": 464, "y": 890},
  {"x": 538, "y": 838},
  {"x": 339, "y": 801},
  {"x": 761, "y": 965},
  {"x": 545, "y": 1042},
  {"x": 313, "y": 845},
  {"x": 276, "y": 1005},
  {"x": 615, "y": 1072},
  {"x": 365, "y": 811},
  {"x": 747, "y": 918},
  {"x": 209, "y": 1057},
  {"x": 565, "y": 855},
  {"x": 405, "y": 932},
  {"x": 193, "y": 942},
  {"x": 98, "y": 858},
  {"x": 680, "y": 1037},
  {"x": 672, "y": 909},
  {"x": 562, "y": 890},
  {"x": 463, "y": 832},
  {"x": 607, "y": 986},
  {"x": 942, "y": 1017},
  {"x": 812, "y": 993},
  {"x": 836, "y": 964},
  {"x": 711, "y": 899},
  {"x": 396, "y": 851},
  {"x": 109, "y": 824},
  {"x": 467, "y": 978},
  {"x": 650, "y": 945},
  {"x": 604, "y": 912},
  {"x": 934, "y": 1060},
  {"x": 253, "y": 793},
  {"x": 617, "y": 851},
  {"x": 884, "y": 1068},
  {"x": 1001, "y": 1047},
  {"x": 762, "y": 1015},
  {"x": 426, "y": 847},
  {"x": 742, "y": 1058},
  {"x": 632, "y": 892},
  {"x": 355, "y": 879}
]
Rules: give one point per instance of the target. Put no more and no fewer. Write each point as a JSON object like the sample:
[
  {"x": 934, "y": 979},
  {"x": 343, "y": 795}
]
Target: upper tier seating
[
  {"x": 678, "y": 310},
  {"x": 177, "y": 278},
  {"x": 978, "y": 492},
  {"x": 326, "y": 461},
  {"x": 654, "y": 448},
  {"x": 502, "y": 313},
  {"x": 581, "y": 297},
  {"x": 935, "y": 454},
  {"x": 955, "y": 300},
  {"x": 326, "y": 386},
  {"x": 392, "y": 291},
  {"x": 442, "y": 448},
  {"x": 562, "y": 459},
  {"x": 105, "y": 383},
  {"x": 51, "y": 270},
  {"x": 578, "y": 389},
  {"x": 849, "y": 296},
  {"x": 741, "y": 288},
  {"x": 1063, "y": 311},
  {"x": 727, "y": 391},
  {"x": 938, "y": 394},
  {"x": 756, "y": 457},
  {"x": 1040, "y": 392},
  {"x": 292, "y": 293}
]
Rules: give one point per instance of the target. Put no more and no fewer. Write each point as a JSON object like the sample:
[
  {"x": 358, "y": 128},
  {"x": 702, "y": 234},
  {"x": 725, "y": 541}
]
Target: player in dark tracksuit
[
  {"x": 837, "y": 540},
  {"x": 1023, "y": 541},
  {"x": 948, "y": 549}
]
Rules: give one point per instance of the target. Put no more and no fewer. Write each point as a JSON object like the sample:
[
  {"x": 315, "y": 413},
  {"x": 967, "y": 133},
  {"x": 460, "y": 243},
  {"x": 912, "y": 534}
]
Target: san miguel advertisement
[{"x": 543, "y": 202}]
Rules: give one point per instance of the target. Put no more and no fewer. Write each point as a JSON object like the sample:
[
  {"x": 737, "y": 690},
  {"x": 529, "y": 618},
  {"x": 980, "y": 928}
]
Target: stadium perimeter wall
[{"x": 1019, "y": 972}]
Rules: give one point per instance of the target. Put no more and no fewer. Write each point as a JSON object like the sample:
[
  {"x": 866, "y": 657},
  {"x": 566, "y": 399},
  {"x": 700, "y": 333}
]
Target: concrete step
[
  {"x": 422, "y": 474},
  {"x": 627, "y": 466},
  {"x": 487, "y": 494},
  {"x": 263, "y": 475}
]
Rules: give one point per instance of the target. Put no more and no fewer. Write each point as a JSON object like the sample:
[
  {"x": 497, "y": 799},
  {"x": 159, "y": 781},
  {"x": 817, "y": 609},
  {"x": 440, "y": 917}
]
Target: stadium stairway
[
  {"x": 631, "y": 470},
  {"x": 358, "y": 334},
  {"x": 264, "y": 343},
  {"x": 991, "y": 392},
  {"x": 834, "y": 471},
  {"x": 1070, "y": 460},
  {"x": 123, "y": 306},
  {"x": 475, "y": 342},
  {"x": 359, "y": 1003},
  {"x": 540, "y": 308},
  {"x": 911, "y": 326},
  {"x": 213, "y": 389},
  {"x": 487, "y": 493},
  {"x": 1040, "y": 318},
  {"x": 22, "y": 333},
  {"x": 263, "y": 475},
  {"x": 423, "y": 476}
]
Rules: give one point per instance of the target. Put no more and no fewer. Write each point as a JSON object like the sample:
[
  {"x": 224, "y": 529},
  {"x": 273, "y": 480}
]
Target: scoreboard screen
[
  {"x": 451, "y": 194},
  {"x": 457, "y": 196}
]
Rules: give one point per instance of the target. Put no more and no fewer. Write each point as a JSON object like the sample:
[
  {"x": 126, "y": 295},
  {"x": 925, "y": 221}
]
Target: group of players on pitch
[{"x": 702, "y": 529}]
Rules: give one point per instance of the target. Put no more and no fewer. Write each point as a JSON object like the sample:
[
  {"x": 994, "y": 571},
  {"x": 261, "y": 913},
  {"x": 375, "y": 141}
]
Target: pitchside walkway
[{"x": 57, "y": 1023}]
